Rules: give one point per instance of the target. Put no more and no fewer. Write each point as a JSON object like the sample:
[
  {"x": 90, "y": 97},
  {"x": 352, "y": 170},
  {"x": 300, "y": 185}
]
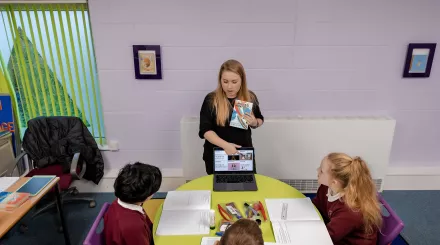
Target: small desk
[
  {"x": 267, "y": 188},
  {"x": 9, "y": 219}
]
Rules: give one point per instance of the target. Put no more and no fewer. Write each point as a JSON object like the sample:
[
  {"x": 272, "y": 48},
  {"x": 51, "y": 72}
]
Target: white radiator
[{"x": 290, "y": 149}]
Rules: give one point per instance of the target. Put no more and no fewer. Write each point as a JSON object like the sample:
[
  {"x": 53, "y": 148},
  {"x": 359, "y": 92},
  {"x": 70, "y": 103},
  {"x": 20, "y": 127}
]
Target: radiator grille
[
  {"x": 311, "y": 185},
  {"x": 302, "y": 185}
]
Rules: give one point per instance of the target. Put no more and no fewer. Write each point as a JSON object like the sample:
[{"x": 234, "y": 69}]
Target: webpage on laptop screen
[{"x": 243, "y": 161}]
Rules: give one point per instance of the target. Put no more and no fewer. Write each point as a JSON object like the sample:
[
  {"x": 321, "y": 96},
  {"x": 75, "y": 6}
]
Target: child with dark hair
[{"x": 125, "y": 222}]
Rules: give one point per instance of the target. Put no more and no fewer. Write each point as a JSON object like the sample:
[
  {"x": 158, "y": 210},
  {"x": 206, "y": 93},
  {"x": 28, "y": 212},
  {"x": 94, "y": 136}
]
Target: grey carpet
[{"x": 419, "y": 211}]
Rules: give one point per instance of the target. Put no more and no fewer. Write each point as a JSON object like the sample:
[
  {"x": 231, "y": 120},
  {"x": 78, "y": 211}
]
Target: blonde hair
[
  {"x": 359, "y": 191},
  {"x": 220, "y": 100},
  {"x": 243, "y": 232}
]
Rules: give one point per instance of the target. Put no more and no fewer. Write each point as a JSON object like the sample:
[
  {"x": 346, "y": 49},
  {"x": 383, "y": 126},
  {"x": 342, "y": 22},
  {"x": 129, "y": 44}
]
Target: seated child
[
  {"x": 125, "y": 222},
  {"x": 347, "y": 200},
  {"x": 242, "y": 232}
]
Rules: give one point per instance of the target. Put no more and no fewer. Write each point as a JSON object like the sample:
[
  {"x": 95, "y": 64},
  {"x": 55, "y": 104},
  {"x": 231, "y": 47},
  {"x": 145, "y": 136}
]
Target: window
[{"x": 48, "y": 60}]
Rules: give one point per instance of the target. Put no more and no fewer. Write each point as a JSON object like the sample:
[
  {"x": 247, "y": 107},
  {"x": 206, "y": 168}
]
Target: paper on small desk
[
  {"x": 6, "y": 182},
  {"x": 212, "y": 240},
  {"x": 291, "y": 209},
  {"x": 301, "y": 232},
  {"x": 187, "y": 222},
  {"x": 187, "y": 200}
]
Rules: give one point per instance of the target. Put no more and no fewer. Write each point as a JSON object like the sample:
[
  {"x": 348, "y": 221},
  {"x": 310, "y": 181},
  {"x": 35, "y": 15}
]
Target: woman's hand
[
  {"x": 251, "y": 120},
  {"x": 231, "y": 149}
]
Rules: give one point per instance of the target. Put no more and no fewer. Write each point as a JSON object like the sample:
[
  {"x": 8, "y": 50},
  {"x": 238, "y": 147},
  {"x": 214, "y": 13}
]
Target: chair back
[
  {"x": 55, "y": 140},
  {"x": 93, "y": 237},
  {"x": 391, "y": 227}
]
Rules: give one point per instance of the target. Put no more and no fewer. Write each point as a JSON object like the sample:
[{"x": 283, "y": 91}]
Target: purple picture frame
[
  {"x": 421, "y": 55},
  {"x": 147, "y": 62}
]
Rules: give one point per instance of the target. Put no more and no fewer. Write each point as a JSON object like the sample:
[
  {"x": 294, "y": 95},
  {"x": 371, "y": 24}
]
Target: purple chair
[
  {"x": 94, "y": 238},
  {"x": 391, "y": 227}
]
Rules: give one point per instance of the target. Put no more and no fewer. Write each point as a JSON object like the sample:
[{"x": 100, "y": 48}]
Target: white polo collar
[
  {"x": 332, "y": 198},
  {"x": 130, "y": 206}
]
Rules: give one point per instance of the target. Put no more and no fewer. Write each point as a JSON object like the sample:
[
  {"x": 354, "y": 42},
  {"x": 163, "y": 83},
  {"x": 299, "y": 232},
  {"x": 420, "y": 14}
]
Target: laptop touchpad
[{"x": 235, "y": 186}]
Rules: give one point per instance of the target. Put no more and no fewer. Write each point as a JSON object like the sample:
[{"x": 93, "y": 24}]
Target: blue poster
[
  {"x": 7, "y": 116},
  {"x": 418, "y": 63}
]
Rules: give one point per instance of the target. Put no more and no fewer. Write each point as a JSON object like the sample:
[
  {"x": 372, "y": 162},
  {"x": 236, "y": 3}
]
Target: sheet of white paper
[
  {"x": 209, "y": 240},
  {"x": 188, "y": 222},
  {"x": 5, "y": 182},
  {"x": 187, "y": 200},
  {"x": 297, "y": 209},
  {"x": 212, "y": 240},
  {"x": 301, "y": 232}
]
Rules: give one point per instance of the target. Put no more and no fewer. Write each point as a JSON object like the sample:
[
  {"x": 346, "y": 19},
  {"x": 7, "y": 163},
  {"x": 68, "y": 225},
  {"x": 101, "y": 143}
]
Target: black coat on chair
[{"x": 54, "y": 140}]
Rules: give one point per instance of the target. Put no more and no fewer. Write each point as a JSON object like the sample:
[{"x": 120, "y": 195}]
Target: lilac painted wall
[{"x": 307, "y": 57}]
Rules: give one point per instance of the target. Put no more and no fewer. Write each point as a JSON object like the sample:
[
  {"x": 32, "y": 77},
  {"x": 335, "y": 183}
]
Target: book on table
[
  {"x": 296, "y": 221},
  {"x": 35, "y": 184},
  {"x": 185, "y": 213},
  {"x": 9, "y": 201}
]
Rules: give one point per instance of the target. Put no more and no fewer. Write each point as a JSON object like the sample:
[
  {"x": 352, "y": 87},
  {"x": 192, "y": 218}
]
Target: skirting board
[
  {"x": 398, "y": 178},
  {"x": 416, "y": 178},
  {"x": 172, "y": 178}
]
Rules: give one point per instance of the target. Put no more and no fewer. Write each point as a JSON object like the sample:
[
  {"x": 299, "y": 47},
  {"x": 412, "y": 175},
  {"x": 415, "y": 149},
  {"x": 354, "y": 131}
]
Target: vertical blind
[{"x": 50, "y": 62}]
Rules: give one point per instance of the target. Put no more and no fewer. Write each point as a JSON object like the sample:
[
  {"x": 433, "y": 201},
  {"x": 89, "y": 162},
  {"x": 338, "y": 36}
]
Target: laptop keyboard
[{"x": 234, "y": 178}]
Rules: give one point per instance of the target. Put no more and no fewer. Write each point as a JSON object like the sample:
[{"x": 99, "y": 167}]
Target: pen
[{"x": 223, "y": 213}]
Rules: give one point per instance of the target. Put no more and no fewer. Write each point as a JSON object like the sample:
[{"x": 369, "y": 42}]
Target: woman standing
[{"x": 216, "y": 112}]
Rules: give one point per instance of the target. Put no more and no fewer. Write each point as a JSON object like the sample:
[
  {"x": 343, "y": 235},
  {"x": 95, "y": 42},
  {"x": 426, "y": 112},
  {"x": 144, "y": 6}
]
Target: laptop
[{"x": 234, "y": 172}]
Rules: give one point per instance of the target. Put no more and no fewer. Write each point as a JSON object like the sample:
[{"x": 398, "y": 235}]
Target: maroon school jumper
[
  {"x": 123, "y": 226},
  {"x": 344, "y": 225}
]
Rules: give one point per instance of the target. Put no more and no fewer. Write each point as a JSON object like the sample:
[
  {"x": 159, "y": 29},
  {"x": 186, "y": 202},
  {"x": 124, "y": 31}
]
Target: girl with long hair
[{"x": 347, "y": 200}]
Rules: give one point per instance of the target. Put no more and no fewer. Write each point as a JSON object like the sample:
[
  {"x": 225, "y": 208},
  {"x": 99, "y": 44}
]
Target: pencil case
[
  {"x": 254, "y": 210},
  {"x": 229, "y": 211}
]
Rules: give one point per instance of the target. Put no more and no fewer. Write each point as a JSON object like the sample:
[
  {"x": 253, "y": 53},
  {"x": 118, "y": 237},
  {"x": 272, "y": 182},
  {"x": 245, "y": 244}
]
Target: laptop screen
[{"x": 242, "y": 161}]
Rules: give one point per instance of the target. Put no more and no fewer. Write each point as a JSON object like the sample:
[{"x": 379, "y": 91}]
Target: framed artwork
[
  {"x": 147, "y": 61},
  {"x": 419, "y": 59}
]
